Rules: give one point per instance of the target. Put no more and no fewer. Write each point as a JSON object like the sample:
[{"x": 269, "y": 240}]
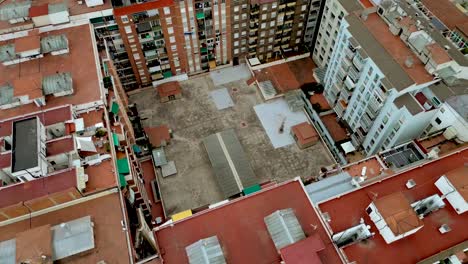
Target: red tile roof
[
  {"x": 397, "y": 212},
  {"x": 346, "y": 210},
  {"x": 305, "y": 133},
  {"x": 44, "y": 186},
  {"x": 169, "y": 88},
  {"x": 157, "y": 135},
  {"x": 241, "y": 230},
  {"x": 304, "y": 251}
]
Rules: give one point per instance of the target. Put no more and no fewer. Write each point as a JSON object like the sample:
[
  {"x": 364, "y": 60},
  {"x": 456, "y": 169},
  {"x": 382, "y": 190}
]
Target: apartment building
[
  {"x": 313, "y": 20},
  {"x": 333, "y": 13},
  {"x": 383, "y": 76},
  {"x": 265, "y": 29},
  {"x": 66, "y": 151}
]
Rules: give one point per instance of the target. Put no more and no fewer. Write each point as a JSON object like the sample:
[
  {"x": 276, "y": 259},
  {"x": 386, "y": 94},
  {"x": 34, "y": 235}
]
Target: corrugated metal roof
[
  {"x": 229, "y": 162},
  {"x": 6, "y": 94},
  {"x": 159, "y": 157},
  {"x": 7, "y": 52},
  {"x": 54, "y": 43},
  {"x": 8, "y": 251},
  {"x": 284, "y": 228},
  {"x": 15, "y": 10},
  {"x": 59, "y": 7},
  {"x": 57, "y": 83},
  {"x": 72, "y": 237},
  {"x": 206, "y": 251}
]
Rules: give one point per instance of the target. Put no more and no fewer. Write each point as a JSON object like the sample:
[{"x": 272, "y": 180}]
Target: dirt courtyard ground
[{"x": 194, "y": 117}]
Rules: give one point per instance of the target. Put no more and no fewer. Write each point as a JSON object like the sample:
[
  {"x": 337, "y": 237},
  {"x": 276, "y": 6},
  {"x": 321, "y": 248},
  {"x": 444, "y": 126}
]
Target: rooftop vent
[
  {"x": 444, "y": 229},
  {"x": 352, "y": 235},
  {"x": 409, "y": 62},
  {"x": 410, "y": 183},
  {"x": 428, "y": 205},
  {"x": 284, "y": 228}
]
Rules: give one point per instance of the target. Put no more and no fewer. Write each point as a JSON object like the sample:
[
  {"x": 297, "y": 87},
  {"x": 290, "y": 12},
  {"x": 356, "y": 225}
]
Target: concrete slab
[
  {"x": 275, "y": 115},
  {"x": 221, "y": 98},
  {"x": 230, "y": 74},
  {"x": 194, "y": 117}
]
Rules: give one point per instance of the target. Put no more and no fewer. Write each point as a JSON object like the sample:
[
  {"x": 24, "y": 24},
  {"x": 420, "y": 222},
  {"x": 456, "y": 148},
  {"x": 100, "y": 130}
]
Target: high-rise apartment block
[{"x": 388, "y": 72}]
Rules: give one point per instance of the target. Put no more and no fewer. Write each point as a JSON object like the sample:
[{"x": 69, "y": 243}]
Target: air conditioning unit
[{"x": 81, "y": 179}]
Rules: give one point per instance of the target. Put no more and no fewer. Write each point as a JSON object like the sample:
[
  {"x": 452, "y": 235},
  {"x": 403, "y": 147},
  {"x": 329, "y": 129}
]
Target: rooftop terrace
[{"x": 345, "y": 211}]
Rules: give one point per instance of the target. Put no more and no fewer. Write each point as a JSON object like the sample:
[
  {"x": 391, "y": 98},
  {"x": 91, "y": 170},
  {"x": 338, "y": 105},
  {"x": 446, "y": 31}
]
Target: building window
[
  {"x": 168, "y": 20},
  {"x": 438, "y": 121},
  {"x": 124, "y": 19},
  {"x": 264, "y": 16},
  {"x": 167, "y": 11}
]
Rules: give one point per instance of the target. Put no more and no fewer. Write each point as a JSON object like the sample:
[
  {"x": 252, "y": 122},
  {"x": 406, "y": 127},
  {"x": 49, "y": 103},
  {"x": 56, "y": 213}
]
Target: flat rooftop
[
  {"x": 397, "y": 49},
  {"x": 288, "y": 76},
  {"x": 48, "y": 117},
  {"x": 337, "y": 131},
  {"x": 25, "y": 144},
  {"x": 448, "y": 13},
  {"x": 38, "y": 9},
  {"x": 348, "y": 209},
  {"x": 250, "y": 242},
  {"x": 80, "y": 62},
  {"x": 110, "y": 241},
  {"x": 194, "y": 117},
  {"x": 373, "y": 168}
]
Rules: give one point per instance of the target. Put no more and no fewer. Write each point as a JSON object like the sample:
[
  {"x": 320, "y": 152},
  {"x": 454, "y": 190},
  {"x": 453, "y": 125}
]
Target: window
[
  {"x": 236, "y": 9},
  {"x": 264, "y": 16},
  {"x": 236, "y": 43},
  {"x": 438, "y": 121},
  {"x": 170, "y": 30},
  {"x": 168, "y": 20},
  {"x": 128, "y": 29},
  {"x": 263, "y": 25},
  {"x": 369, "y": 210},
  {"x": 124, "y": 19},
  {"x": 172, "y": 39},
  {"x": 167, "y": 10}
]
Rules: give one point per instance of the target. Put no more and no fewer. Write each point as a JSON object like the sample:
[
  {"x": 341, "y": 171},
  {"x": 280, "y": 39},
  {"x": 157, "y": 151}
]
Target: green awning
[
  {"x": 122, "y": 180},
  {"x": 113, "y": 27},
  {"x": 167, "y": 74},
  {"x": 200, "y": 15},
  {"x": 204, "y": 50},
  {"x": 96, "y": 20},
  {"x": 115, "y": 137},
  {"x": 115, "y": 108},
  {"x": 252, "y": 189},
  {"x": 122, "y": 166}
]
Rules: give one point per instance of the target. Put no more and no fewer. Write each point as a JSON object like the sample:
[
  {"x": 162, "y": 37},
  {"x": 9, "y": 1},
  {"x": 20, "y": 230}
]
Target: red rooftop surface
[
  {"x": 44, "y": 186},
  {"x": 347, "y": 210},
  {"x": 169, "y": 88},
  {"x": 448, "y": 13},
  {"x": 373, "y": 168},
  {"x": 135, "y": 8},
  {"x": 397, "y": 49},
  {"x": 47, "y": 117},
  {"x": 337, "y": 132},
  {"x": 39, "y": 10},
  {"x": 110, "y": 241},
  {"x": 305, "y": 133},
  {"x": 459, "y": 179},
  {"x": 303, "y": 252},
  {"x": 240, "y": 228},
  {"x": 59, "y": 146},
  {"x": 320, "y": 99},
  {"x": 158, "y": 135},
  {"x": 81, "y": 62},
  {"x": 27, "y": 43}
]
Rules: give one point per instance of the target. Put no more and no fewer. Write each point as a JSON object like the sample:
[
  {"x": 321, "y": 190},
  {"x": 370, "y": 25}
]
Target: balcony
[
  {"x": 374, "y": 106},
  {"x": 349, "y": 53},
  {"x": 357, "y": 63},
  {"x": 340, "y": 108},
  {"x": 349, "y": 84},
  {"x": 353, "y": 74},
  {"x": 345, "y": 95}
]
